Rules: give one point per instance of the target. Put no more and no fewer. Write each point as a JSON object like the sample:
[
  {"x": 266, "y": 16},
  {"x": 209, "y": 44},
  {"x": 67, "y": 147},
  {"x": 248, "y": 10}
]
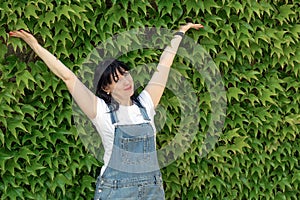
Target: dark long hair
[{"x": 107, "y": 72}]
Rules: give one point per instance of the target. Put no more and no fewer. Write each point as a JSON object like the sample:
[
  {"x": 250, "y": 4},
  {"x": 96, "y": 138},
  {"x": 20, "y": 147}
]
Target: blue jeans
[{"x": 144, "y": 188}]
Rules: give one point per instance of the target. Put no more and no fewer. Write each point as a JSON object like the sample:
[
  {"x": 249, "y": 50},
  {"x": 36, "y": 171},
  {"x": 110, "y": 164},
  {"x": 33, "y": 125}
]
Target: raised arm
[
  {"x": 86, "y": 100},
  {"x": 158, "y": 81}
]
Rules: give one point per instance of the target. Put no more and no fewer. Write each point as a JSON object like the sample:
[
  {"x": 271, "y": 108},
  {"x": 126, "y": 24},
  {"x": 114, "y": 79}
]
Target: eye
[
  {"x": 116, "y": 78},
  {"x": 126, "y": 73}
]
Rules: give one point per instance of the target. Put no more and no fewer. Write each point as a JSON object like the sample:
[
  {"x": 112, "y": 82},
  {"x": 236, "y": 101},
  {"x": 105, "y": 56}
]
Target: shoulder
[
  {"x": 102, "y": 109},
  {"x": 146, "y": 100}
]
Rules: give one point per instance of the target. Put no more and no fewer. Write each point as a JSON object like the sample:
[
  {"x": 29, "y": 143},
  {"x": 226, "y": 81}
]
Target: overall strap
[
  {"x": 144, "y": 113},
  {"x": 113, "y": 115},
  {"x": 114, "y": 118}
]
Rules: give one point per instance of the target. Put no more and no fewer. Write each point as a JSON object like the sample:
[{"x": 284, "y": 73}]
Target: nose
[{"x": 126, "y": 79}]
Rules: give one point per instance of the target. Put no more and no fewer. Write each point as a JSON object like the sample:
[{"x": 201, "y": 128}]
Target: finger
[
  {"x": 14, "y": 33},
  {"x": 19, "y": 34},
  {"x": 198, "y": 26}
]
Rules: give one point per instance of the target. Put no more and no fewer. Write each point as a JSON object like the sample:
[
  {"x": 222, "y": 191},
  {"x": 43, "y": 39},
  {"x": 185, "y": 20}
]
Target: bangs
[{"x": 114, "y": 74}]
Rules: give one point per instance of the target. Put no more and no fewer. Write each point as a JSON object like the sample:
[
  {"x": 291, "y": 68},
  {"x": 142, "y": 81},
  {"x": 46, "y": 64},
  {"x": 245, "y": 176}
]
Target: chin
[{"x": 131, "y": 94}]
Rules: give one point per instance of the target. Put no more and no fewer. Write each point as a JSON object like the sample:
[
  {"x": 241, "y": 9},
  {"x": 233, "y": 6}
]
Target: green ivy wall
[{"x": 255, "y": 45}]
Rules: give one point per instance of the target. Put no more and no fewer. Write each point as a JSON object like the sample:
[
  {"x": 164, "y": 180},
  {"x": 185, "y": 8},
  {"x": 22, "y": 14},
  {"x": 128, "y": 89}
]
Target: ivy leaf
[
  {"x": 64, "y": 11},
  {"x": 20, "y": 25},
  {"x": 228, "y": 136},
  {"x": 86, "y": 183},
  {"x": 250, "y": 74},
  {"x": 217, "y": 183},
  {"x": 191, "y": 5},
  {"x": 14, "y": 192},
  {"x": 24, "y": 153},
  {"x": 239, "y": 144},
  {"x": 61, "y": 181},
  {"x": 4, "y": 156},
  {"x": 266, "y": 96},
  {"x": 14, "y": 124},
  {"x": 3, "y": 50},
  {"x": 5, "y": 107},
  {"x": 11, "y": 165},
  {"x": 261, "y": 35},
  {"x": 62, "y": 38},
  {"x": 29, "y": 109},
  {"x": 34, "y": 167},
  {"x": 234, "y": 92},
  {"x": 24, "y": 77},
  {"x": 165, "y": 5},
  {"x": 284, "y": 12},
  {"x": 30, "y": 11},
  {"x": 48, "y": 19},
  {"x": 208, "y": 4},
  {"x": 237, "y": 6}
]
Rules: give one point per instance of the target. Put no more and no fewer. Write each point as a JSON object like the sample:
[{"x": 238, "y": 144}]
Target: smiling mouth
[{"x": 128, "y": 88}]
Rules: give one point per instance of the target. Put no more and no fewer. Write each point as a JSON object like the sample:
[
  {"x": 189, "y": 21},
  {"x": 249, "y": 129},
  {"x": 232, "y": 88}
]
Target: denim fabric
[
  {"x": 138, "y": 188},
  {"x": 133, "y": 171}
]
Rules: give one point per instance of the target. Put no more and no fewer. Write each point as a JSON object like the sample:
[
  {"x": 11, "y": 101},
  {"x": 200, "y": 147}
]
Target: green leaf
[
  {"x": 30, "y": 11},
  {"x": 11, "y": 165},
  {"x": 266, "y": 96},
  {"x": 24, "y": 77},
  {"x": 2, "y": 139},
  {"x": 48, "y": 19},
  {"x": 14, "y": 193},
  {"x": 229, "y": 135},
  {"x": 24, "y": 153},
  {"x": 3, "y": 50},
  {"x": 234, "y": 92},
  {"x": 239, "y": 144},
  {"x": 86, "y": 183},
  {"x": 237, "y": 6},
  {"x": 33, "y": 168},
  {"x": 29, "y": 109},
  {"x": 218, "y": 183},
  {"x": 61, "y": 181},
  {"x": 208, "y": 5},
  {"x": 191, "y": 5},
  {"x": 64, "y": 10},
  {"x": 165, "y": 6},
  {"x": 14, "y": 124}
]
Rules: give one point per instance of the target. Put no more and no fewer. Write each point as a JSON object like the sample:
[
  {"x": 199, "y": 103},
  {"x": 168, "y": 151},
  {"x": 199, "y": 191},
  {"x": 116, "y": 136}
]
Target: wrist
[
  {"x": 35, "y": 46},
  {"x": 179, "y": 33}
]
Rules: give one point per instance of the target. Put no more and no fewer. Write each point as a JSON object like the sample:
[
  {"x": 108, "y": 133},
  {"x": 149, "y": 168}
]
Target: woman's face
[{"x": 122, "y": 89}]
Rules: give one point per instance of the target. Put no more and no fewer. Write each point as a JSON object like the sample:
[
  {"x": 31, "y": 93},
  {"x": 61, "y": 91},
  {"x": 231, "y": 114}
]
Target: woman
[{"x": 124, "y": 121}]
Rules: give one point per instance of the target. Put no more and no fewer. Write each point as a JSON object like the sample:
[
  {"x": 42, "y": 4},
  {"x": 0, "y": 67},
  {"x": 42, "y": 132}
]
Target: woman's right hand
[{"x": 27, "y": 37}]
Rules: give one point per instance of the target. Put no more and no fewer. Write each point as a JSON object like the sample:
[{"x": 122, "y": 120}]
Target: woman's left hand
[
  {"x": 188, "y": 26},
  {"x": 27, "y": 37}
]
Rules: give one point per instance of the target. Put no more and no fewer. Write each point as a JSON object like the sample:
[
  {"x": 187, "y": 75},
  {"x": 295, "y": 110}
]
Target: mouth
[{"x": 128, "y": 88}]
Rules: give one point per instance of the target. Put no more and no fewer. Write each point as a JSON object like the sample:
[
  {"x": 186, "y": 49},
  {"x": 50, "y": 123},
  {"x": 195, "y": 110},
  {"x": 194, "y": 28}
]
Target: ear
[{"x": 106, "y": 89}]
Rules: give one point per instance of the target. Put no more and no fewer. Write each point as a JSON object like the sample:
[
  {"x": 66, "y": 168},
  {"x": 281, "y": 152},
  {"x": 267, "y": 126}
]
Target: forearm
[
  {"x": 161, "y": 75},
  {"x": 168, "y": 55},
  {"x": 54, "y": 64}
]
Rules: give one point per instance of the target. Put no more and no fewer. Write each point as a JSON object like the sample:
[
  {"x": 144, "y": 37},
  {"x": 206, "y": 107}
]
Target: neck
[{"x": 124, "y": 102}]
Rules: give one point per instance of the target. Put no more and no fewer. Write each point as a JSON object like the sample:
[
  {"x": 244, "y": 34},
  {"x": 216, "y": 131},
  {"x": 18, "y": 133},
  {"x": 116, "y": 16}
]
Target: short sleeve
[{"x": 147, "y": 102}]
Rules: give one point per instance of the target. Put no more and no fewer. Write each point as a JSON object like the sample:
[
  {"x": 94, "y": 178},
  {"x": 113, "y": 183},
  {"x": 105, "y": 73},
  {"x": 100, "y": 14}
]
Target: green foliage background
[{"x": 255, "y": 44}]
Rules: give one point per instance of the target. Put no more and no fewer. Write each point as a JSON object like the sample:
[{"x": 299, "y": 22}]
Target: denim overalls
[{"x": 132, "y": 172}]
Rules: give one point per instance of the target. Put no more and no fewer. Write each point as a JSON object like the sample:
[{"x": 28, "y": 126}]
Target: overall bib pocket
[{"x": 129, "y": 147}]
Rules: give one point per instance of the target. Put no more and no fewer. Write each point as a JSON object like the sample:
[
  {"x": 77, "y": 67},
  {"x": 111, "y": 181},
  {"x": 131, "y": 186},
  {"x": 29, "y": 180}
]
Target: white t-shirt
[{"x": 125, "y": 115}]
